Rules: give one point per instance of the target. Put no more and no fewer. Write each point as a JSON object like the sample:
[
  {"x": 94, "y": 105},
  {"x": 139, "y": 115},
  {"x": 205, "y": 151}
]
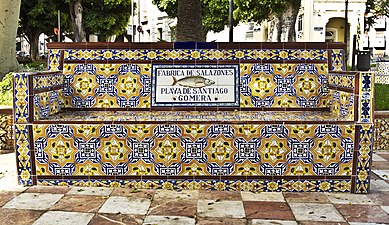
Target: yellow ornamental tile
[
  {"x": 151, "y": 54},
  {"x": 283, "y": 55},
  {"x": 239, "y": 54},
  {"x": 196, "y": 54}
]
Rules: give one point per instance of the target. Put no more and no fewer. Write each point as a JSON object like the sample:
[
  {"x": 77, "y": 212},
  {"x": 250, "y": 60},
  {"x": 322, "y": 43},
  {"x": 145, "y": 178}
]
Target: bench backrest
[{"x": 239, "y": 75}]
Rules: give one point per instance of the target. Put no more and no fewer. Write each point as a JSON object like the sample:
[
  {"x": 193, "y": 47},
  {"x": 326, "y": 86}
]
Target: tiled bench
[{"x": 241, "y": 116}]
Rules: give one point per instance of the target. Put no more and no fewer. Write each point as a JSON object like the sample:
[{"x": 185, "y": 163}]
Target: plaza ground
[{"x": 82, "y": 205}]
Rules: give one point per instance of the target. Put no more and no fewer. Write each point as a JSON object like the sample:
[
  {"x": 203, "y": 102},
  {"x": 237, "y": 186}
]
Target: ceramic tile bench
[{"x": 217, "y": 116}]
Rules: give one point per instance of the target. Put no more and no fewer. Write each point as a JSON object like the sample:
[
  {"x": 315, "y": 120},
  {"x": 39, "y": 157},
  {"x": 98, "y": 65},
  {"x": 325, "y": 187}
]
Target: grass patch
[{"x": 381, "y": 97}]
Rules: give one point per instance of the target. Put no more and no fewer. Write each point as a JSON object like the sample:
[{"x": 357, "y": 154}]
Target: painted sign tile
[{"x": 195, "y": 85}]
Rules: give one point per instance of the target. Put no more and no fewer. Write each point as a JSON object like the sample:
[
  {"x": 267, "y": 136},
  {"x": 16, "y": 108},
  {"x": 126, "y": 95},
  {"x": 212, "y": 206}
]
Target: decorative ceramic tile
[
  {"x": 23, "y": 154},
  {"x": 47, "y": 81},
  {"x": 195, "y": 85},
  {"x": 342, "y": 80},
  {"x": 284, "y": 85},
  {"x": 337, "y": 59},
  {"x": 366, "y": 98},
  {"x": 54, "y": 60},
  {"x": 47, "y": 103},
  {"x": 364, "y": 158},
  {"x": 342, "y": 105},
  {"x": 107, "y": 85},
  {"x": 195, "y": 54},
  {"x": 21, "y": 102},
  {"x": 167, "y": 150}
]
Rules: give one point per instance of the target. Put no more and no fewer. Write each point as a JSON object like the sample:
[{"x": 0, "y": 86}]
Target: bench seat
[{"x": 71, "y": 117}]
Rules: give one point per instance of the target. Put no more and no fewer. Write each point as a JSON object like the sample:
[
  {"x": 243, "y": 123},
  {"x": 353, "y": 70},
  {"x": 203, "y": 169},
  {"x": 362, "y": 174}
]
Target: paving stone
[
  {"x": 173, "y": 207},
  {"x": 35, "y": 201},
  {"x": 363, "y": 213},
  {"x": 379, "y": 185},
  {"x": 228, "y": 209},
  {"x": 48, "y": 189},
  {"x": 10, "y": 183},
  {"x": 356, "y": 223},
  {"x": 163, "y": 194},
  {"x": 385, "y": 208},
  {"x": 383, "y": 174},
  {"x": 64, "y": 218},
  {"x": 384, "y": 155},
  {"x": 220, "y": 195},
  {"x": 347, "y": 198},
  {"x": 168, "y": 220},
  {"x": 126, "y": 205},
  {"x": 315, "y": 212},
  {"x": 19, "y": 216},
  {"x": 5, "y": 196},
  {"x": 321, "y": 223},
  {"x": 267, "y": 210},
  {"x": 220, "y": 221},
  {"x": 77, "y": 203},
  {"x": 381, "y": 198},
  {"x": 378, "y": 158},
  {"x": 380, "y": 165},
  {"x": 140, "y": 193},
  {"x": 101, "y": 191},
  {"x": 272, "y": 222},
  {"x": 306, "y": 197},
  {"x": 262, "y": 196},
  {"x": 109, "y": 219}
]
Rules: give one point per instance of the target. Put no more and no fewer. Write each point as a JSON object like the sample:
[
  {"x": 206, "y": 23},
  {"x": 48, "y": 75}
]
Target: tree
[
  {"x": 37, "y": 17},
  {"x": 189, "y": 25},
  {"x": 106, "y": 17},
  {"x": 215, "y": 14},
  {"x": 76, "y": 13},
  {"x": 9, "y": 15}
]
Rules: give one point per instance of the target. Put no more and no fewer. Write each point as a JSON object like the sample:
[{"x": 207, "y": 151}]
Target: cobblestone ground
[{"x": 78, "y": 206}]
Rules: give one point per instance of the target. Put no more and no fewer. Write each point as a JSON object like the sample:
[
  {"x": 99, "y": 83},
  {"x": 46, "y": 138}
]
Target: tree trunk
[
  {"x": 189, "y": 25},
  {"x": 286, "y": 22},
  {"x": 76, "y": 16},
  {"x": 9, "y": 17},
  {"x": 34, "y": 47}
]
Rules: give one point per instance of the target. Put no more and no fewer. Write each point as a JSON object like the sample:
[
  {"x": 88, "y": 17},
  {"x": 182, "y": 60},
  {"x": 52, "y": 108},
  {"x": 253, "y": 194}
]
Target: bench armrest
[
  {"x": 351, "y": 95},
  {"x": 37, "y": 95}
]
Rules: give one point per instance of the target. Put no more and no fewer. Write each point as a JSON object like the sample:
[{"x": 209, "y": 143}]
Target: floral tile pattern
[
  {"x": 107, "y": 85},
  {"x": 195, "y": 54},
  {"x": 217, "y": 150}
]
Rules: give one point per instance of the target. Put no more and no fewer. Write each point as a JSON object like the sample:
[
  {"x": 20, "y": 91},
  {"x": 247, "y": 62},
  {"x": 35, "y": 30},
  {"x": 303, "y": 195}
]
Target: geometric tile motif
[
  {"x": 337, "y": 59},
  {"x": 218, "y": 150},
  {"x": 195, "y": 54},
  {"x": 23, "y": 154},
  {"x": 21, "y": 94},
  {"x": 284, "y": 85},
  {"x": 342, "y": 80},
  {"x": 107, "y": 85},
  {"x": 300, "y": 185},
  {"x": 54, "y": 60},
  {"x": 47, "y": 81},
  {"x": 47, "y": 103},
  {"x": 366, "y": 98},
  {"x": 342, "y": 104},
  {"x": 365, "y": 151}
]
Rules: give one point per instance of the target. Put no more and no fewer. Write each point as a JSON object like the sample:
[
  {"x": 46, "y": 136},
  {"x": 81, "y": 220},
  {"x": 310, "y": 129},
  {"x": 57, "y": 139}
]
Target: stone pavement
[{"x": 94, "y": 205}]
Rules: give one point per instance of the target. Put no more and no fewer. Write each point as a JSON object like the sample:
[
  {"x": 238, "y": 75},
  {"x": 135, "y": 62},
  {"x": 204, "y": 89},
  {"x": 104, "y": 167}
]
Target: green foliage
[
  {"x": 216, "y": 12},
  {"x": 6, "y": 90},
  {"x": 381, "y": 97},
  {"x": 41, "y": 16},
  {"x": 34, "y": 66},
  {"x": 106, "y": 17}
]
